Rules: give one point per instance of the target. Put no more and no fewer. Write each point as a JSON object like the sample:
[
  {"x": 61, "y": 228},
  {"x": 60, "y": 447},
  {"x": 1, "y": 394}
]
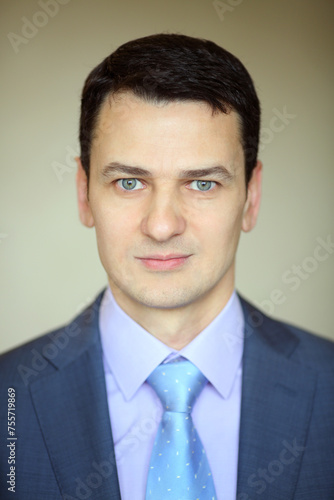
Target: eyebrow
[{"x": 218, "y": 171}]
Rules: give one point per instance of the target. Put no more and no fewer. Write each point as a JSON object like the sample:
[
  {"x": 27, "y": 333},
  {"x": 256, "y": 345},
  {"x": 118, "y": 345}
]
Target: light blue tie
[{"x": 179, "y": 468}]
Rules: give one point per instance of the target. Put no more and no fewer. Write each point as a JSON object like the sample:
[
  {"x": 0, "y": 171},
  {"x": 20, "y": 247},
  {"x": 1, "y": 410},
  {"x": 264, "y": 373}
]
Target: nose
[{"x": 163, "y": 218}]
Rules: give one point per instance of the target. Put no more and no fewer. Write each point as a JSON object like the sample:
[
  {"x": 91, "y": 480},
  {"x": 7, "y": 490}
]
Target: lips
[{"x": 164, "y": 262}]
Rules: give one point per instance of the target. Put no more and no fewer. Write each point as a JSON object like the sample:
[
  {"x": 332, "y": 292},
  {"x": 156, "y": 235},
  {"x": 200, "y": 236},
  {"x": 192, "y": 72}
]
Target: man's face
[{"x": 167, "y": 197}]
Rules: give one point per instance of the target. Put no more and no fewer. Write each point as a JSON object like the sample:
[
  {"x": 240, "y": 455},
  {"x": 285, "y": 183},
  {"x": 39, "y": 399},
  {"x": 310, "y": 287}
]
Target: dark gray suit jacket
[{"x": 64, "y": 447}]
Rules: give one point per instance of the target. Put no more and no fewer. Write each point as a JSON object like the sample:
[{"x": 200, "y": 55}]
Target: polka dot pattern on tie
[{"x": 179, "y": 468}]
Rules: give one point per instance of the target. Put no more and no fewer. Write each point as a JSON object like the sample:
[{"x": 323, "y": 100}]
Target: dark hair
[{"x": 171, "y": 67}]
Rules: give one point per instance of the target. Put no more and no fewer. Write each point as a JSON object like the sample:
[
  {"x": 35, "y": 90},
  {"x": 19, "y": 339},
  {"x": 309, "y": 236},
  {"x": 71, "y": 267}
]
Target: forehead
[{"x": 176, "y": 133}]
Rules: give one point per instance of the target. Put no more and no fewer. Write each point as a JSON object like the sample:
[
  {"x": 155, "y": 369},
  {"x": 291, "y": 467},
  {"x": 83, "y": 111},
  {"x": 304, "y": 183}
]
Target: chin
[{"x": 170, "y": 298}]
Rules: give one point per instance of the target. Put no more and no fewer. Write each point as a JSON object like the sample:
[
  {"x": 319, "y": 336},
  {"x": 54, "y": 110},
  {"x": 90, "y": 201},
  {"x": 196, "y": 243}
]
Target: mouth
[{"x": 164, "y": 262}]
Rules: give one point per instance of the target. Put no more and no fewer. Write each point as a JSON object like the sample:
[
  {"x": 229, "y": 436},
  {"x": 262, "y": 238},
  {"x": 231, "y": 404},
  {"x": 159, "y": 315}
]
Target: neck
[{"x": 176, "y": 327}]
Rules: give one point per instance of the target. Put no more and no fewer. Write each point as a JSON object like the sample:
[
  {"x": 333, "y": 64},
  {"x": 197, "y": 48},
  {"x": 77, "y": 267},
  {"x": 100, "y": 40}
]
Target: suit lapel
[
  {"x": 72, "y": 410},
  {"x": 277, "y": 397}
]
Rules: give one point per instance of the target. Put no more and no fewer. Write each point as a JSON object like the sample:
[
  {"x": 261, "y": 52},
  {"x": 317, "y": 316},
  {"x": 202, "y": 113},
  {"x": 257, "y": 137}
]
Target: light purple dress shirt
[{"x": 131, "y": 354}]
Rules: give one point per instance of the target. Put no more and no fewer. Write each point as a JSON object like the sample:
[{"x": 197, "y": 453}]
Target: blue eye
[
  {"x": 202, "y": 185},
  {"x": 130, "y": 184}
]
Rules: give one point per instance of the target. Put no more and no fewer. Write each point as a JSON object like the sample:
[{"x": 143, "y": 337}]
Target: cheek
[
  {"x": 113, "y": 233},
  {"x": 221, "y": 226}
]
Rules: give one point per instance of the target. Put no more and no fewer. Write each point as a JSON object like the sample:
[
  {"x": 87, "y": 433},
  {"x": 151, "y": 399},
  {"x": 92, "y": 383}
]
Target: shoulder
[
  {"x": 296, "y": 343},
  {"x": 51, "y": 350}
]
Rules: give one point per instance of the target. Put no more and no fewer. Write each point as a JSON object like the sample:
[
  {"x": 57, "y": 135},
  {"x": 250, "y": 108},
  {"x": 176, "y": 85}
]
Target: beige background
[{"x": 49, "y": 263}]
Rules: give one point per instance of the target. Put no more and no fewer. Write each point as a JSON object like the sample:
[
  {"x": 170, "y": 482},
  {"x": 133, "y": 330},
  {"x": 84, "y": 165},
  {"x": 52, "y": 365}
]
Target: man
[{"x": 169, "y": 177}]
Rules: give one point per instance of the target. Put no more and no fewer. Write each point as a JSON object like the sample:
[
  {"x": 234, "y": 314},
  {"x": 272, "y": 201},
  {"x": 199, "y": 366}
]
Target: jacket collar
[
  {"x": 74, "y": 419},
  {"x": 276, "y": 407}
]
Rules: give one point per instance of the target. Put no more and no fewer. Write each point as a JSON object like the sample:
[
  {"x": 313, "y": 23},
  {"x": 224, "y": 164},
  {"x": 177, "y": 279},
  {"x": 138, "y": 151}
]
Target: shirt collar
[{"x": 216, "y": 351}]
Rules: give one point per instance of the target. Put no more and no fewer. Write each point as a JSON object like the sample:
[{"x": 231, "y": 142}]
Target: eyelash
[
  {"x": 206, "y": 190},
  {"x": 119, "y": 181}
]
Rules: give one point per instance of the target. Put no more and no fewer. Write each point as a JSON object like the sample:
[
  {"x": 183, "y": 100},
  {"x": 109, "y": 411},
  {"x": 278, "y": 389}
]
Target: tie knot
[{"x": 177, "y": 384}]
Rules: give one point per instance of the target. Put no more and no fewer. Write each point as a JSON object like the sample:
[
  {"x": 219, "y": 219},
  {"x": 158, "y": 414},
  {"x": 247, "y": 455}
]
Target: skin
[{"x": 167, "y": 214}]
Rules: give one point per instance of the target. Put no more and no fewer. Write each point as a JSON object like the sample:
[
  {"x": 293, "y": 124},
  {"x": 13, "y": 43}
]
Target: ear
[
  {"x": 85, "y": 212},
  {"x": 252, "y": 204}
]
